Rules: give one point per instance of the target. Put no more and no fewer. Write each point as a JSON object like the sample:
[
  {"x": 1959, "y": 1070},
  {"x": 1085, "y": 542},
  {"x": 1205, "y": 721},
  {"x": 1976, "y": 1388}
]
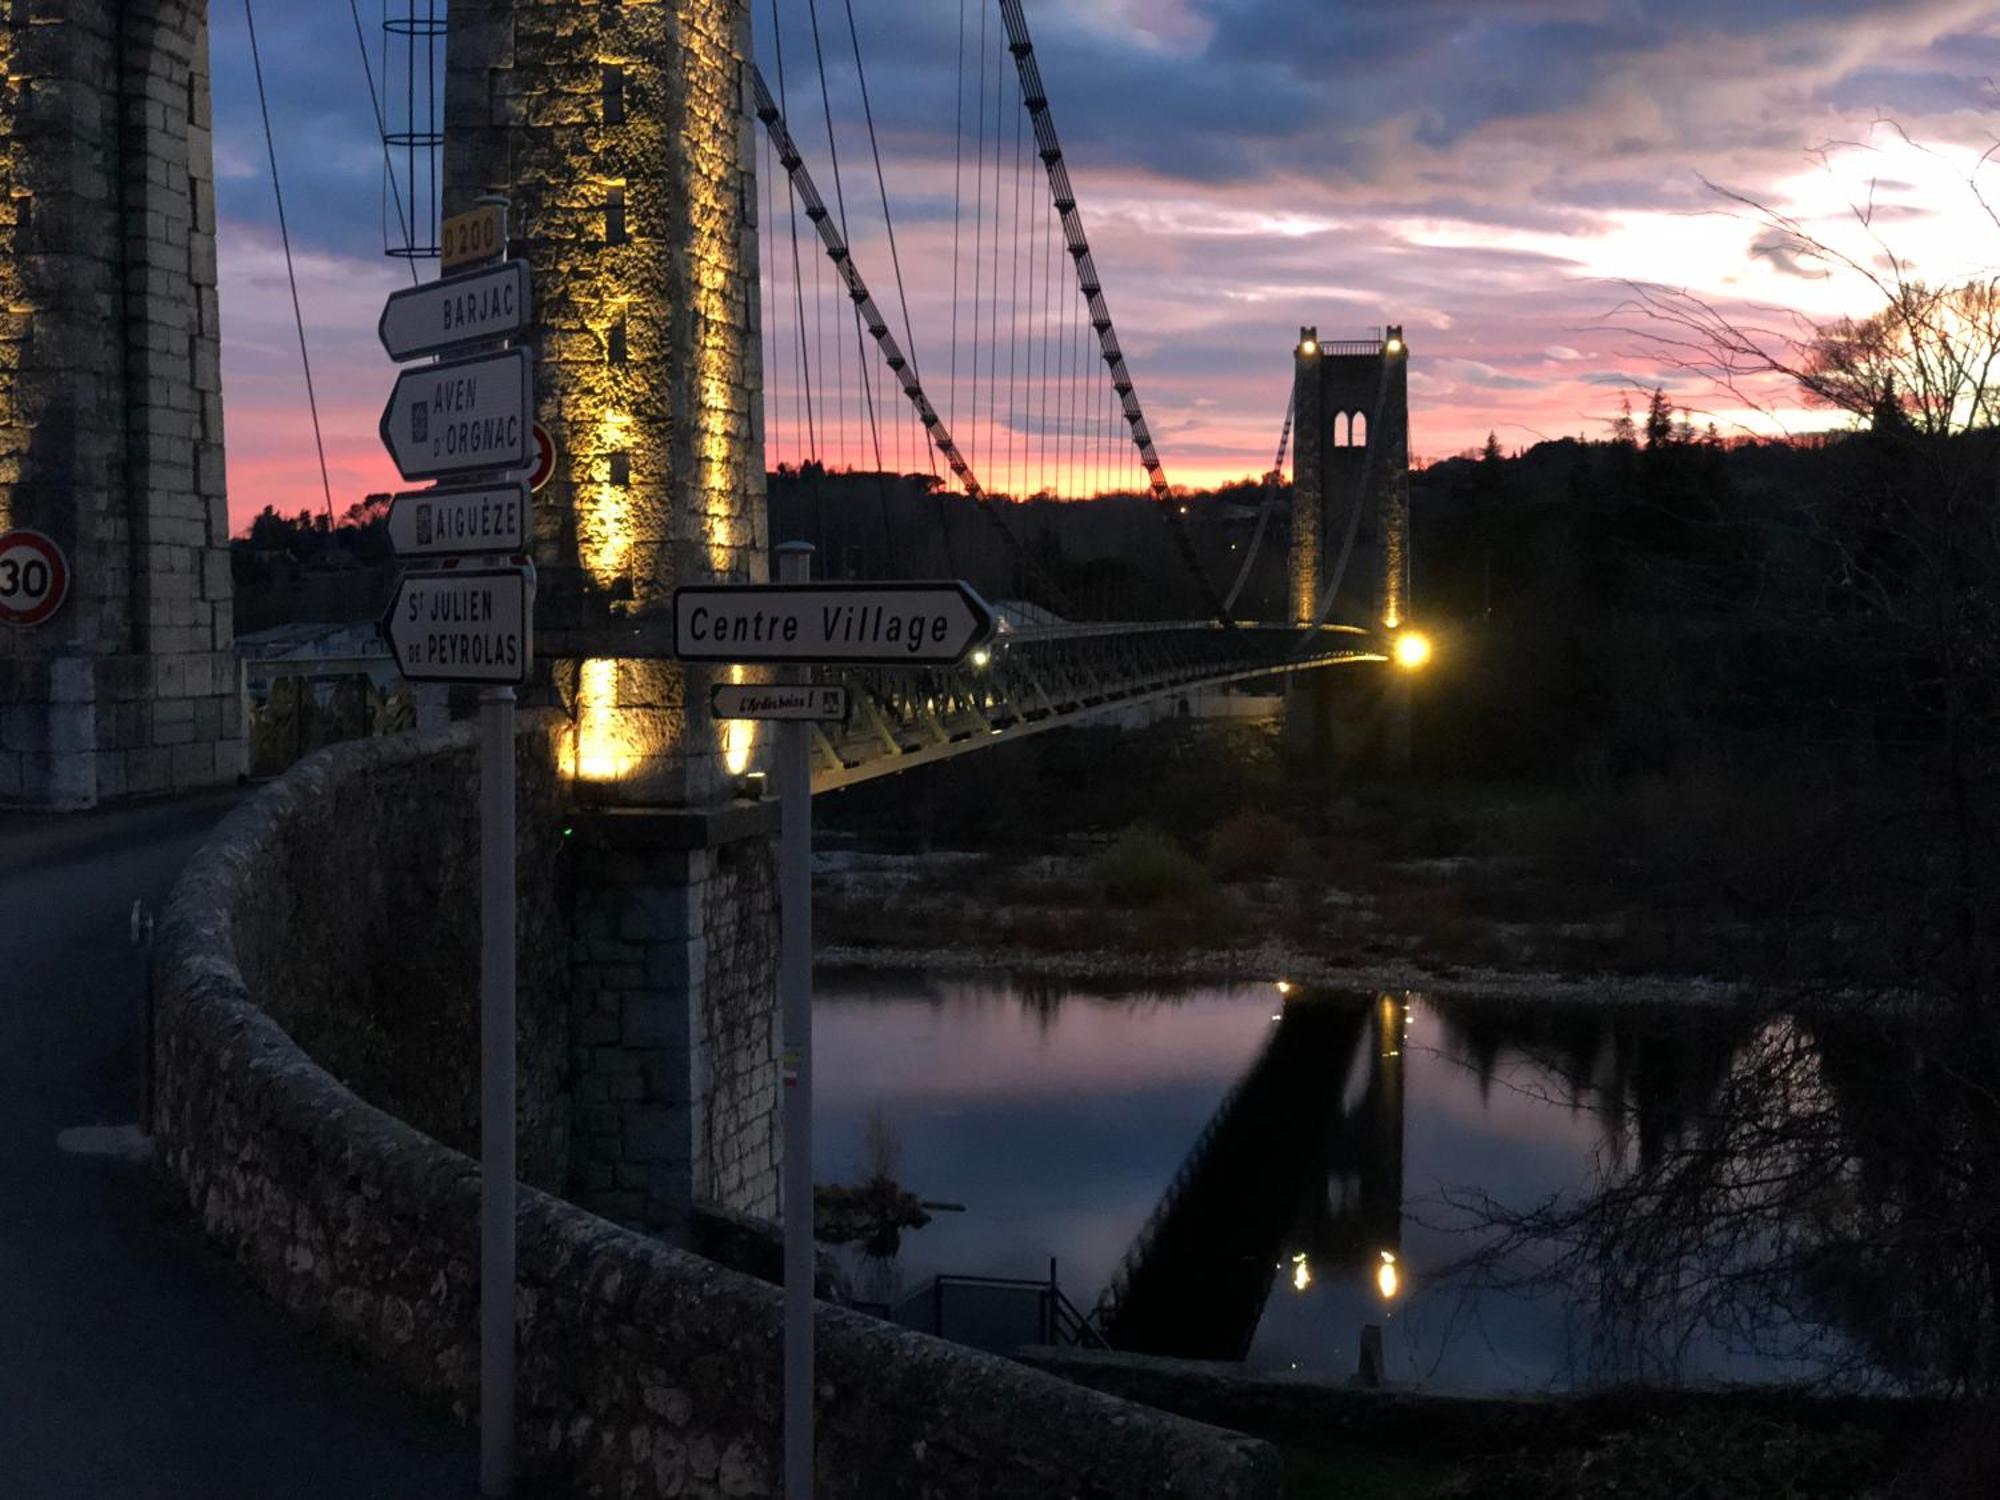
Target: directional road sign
[
  {"x": 464, "y": 625},
  {"x": 478, "y": 234},
  {"x": 34, "y": 578},
  {"x": 460, "y": 310},
  {"x": 462, "y": 416},
  {"x": 758, "y": 700},
  {"x": 884, "y": 624},
  {"x": 469, "y": 518}
]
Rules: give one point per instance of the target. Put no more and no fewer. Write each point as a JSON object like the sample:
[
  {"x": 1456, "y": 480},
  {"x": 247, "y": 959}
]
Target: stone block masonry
[
  {"x": 645, "y": 1372},
  {"x": 675, "y": 1056},
  {"x": 619, "y": 133},
  {"x": 110, "y": 404}
]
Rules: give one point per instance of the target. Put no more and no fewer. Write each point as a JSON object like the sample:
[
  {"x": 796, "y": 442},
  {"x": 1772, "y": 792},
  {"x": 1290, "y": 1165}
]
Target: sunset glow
[{"x": 1241, "y": 170}]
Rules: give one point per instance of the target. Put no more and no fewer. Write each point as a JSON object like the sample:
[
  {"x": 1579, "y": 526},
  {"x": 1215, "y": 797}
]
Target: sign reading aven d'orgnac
[
  {"x": 909, "y": 624},
  {"x": 450, "y": 314},
  {"x": 461, "y": 416},
  {"x": 463, "y": 625}
]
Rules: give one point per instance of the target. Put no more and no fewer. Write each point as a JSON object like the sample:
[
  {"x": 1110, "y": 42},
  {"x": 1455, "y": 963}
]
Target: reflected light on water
[{"x": 1302, "y": 1276}]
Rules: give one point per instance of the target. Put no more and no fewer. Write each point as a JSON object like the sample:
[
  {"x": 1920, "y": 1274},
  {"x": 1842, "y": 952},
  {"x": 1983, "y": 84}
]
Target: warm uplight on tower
[
  {"x": 1392, "y": 345},
  {"x": 1309, "y": 347},
  {"x": 1413, "y": 650}
]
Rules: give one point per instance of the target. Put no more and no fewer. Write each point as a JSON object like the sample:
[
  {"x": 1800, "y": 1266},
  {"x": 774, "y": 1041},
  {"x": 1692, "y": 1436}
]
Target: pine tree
[
  {"x": 1659, "y": 420},
  {"x": 1622, "y": 429},
  {"x": 1491, "y": 452}
]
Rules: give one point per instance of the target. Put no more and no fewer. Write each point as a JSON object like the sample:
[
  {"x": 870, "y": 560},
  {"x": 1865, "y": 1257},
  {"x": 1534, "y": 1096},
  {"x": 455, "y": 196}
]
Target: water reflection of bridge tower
[{"x": 1299, "y": 1172}]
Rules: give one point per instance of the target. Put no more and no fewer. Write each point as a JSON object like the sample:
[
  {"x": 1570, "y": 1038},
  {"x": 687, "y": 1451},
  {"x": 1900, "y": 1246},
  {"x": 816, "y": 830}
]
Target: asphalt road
[{"x": 134, "y": 1361}]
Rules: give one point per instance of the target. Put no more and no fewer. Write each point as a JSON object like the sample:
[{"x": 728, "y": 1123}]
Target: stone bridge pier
[
  {"x": 111, "y": 405},
  {"x": 1350, "y": 532},
  {"x": 621, "y": 137}
]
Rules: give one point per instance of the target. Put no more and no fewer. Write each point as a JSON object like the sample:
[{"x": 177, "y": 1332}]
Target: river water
[{"x": 1257, "y": 1173}]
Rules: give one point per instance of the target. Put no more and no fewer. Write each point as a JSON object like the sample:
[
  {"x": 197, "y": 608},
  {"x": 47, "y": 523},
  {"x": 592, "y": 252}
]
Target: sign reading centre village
[{"x": 884, "y": 624}]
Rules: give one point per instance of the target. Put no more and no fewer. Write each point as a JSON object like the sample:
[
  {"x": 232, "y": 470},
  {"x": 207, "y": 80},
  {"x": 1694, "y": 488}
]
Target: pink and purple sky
[{"x": 1488, "y": 173}]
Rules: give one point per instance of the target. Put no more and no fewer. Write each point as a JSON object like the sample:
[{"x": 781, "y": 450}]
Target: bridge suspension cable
[
  {"x": 871, "y": 315},
  {"x": 1034, "y": 97},
  {"x": 1273, "y": 481}
]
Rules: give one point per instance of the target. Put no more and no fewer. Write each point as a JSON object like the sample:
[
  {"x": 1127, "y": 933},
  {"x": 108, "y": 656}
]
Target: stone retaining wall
[{"x": 644, "y": 1370}]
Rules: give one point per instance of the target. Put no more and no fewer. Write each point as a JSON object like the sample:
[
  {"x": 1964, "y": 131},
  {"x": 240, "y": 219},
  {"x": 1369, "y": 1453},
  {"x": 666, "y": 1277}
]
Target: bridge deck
[{"x": 1048, "y": 676}]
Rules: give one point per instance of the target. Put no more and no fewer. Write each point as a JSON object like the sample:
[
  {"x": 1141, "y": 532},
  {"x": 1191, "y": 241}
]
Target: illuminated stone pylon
[
  {"x": 619, "y": 135},
  {"x": 1351, "y": 449},
  {"x": 111, "y": 404}
]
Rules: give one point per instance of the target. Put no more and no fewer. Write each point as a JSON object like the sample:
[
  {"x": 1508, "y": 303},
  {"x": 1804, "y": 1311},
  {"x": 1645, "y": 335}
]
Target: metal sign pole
[
  {"x": 496, "y": 1091},
  {"x": 497, "y": 968},
  {"x": 795, "y": 988}
]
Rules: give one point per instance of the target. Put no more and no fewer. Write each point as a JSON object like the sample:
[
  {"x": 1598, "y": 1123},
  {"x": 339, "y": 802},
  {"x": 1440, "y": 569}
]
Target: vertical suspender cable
[
  {"x": 291, "y": 276},
  {"x": 405, "y": 222}
]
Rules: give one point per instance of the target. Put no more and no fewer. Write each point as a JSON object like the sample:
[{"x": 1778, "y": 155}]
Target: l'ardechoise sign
[
  {"x": 462, "y": 416},
  {"x": 885, "y": 624},
  {"x": 455, "y": 312}
]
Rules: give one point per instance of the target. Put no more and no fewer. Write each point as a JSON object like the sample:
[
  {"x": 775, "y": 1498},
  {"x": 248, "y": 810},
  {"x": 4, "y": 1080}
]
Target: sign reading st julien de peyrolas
[
  {"x": 474, "y": 308},
  {"x": 464, "y": 625},
  {"x": 884, "y": 624},
  {"x": 462, "y": 416}
]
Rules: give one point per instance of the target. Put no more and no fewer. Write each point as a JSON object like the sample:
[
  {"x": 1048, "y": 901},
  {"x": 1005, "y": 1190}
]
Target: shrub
[
  {"x": 1249, "y": 845},
  {"x": 1145, "y": 867}
]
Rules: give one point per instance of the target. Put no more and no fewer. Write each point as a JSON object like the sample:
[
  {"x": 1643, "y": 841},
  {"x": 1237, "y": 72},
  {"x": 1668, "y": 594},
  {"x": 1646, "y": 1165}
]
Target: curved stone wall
[{"x": 644, "y": 1371}]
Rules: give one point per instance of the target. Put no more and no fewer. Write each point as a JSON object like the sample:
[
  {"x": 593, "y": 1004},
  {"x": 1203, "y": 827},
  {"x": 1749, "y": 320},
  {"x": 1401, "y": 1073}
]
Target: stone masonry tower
[
  {"x": 111, "y": 404},
  {"x": 620, "y": 134},
  {"x": 1344, "y": 393}
]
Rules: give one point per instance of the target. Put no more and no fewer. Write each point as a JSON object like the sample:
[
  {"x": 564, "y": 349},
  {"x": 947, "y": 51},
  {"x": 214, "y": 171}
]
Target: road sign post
[
  {"x": 795, "y": 989},
  {"x": 472, "y": 418}
]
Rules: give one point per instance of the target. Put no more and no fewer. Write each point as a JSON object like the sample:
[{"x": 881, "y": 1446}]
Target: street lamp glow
[
  {"x": 1309, "y": 347},
  {"x": 1388, "y": 1279},
  {"x": 981, "y": 658},
  {"x": 1393, "y": 346},
  {"x": 1413, "y": 650}
]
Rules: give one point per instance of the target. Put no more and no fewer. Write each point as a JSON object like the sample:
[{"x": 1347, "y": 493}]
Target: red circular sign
[
  {"x": 34, "y": 578},
  {"x": 545, "y": 459}
]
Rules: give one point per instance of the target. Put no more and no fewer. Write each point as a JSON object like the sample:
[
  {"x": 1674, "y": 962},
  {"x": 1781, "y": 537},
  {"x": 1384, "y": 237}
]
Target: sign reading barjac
[
  {"x": 471, "y": 309},
  {"x": 464, "y": 625},
  {"x": 884, "y": 624},
  {"x": 461, "y": 416}
]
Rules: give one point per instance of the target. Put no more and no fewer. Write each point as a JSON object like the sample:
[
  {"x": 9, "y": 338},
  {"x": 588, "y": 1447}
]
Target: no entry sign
[{"x": 34, "y": 578}]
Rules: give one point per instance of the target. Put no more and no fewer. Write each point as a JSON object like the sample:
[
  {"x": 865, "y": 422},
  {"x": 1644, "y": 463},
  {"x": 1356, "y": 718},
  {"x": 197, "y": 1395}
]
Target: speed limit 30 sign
[{"x": 34, "y": 578}]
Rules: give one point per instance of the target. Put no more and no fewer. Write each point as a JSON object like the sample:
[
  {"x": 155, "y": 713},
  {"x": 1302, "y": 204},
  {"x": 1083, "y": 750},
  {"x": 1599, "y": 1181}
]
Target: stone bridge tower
[
  {"x": 622, "y": 137},
  {"x": 111, "y": 404},
  {"x": 1351, "y": 448},
  {"x": 1351, "y": 425}
]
